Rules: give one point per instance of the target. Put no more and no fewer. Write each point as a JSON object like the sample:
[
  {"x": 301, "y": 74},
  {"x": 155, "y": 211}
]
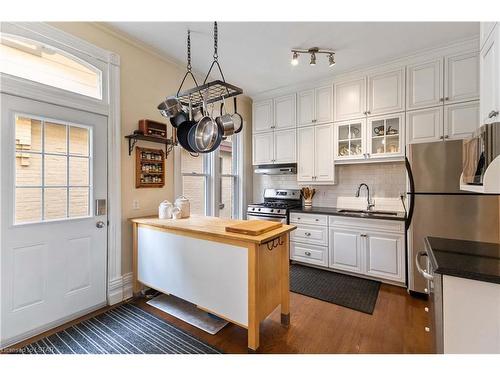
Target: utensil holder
[{"x": 308, "y": 202}]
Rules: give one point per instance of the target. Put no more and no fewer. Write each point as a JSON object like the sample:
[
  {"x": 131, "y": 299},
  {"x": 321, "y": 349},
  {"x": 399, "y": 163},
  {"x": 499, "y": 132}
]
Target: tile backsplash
[{"x": 384, "y": 179}]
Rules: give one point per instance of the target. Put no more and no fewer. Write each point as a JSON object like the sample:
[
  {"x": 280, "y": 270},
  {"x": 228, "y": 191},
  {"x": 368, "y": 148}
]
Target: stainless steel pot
[
  {"x": 237, "y": 119},
  {"x": 170, "y": 107},
  {"x": 225, "y": 121}
]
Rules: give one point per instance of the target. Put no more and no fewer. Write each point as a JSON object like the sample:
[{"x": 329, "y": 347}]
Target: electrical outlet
[{"x": 135, "y": 204}]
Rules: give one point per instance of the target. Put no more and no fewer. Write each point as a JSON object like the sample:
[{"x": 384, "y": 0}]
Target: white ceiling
[{"x": 256, "y": 55}]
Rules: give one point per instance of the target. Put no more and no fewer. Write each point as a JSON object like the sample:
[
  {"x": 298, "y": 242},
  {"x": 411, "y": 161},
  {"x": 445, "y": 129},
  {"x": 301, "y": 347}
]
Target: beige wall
[{"x": 146, "y": 78}]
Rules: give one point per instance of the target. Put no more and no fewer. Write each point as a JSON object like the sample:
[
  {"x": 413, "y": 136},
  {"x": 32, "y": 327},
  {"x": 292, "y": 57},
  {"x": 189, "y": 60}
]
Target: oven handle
[{"x": 423, "y": 272}]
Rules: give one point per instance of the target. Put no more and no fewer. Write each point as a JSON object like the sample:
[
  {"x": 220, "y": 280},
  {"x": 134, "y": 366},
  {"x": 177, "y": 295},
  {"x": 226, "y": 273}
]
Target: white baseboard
[{"x": 120, "y": 289}]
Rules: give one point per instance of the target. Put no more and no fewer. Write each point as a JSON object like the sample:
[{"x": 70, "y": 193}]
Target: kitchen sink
[{"x": 368, "y": 213}]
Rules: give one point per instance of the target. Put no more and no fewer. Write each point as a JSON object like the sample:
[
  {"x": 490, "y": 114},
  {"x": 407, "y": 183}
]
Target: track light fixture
[{"x": 313, "y": 51}]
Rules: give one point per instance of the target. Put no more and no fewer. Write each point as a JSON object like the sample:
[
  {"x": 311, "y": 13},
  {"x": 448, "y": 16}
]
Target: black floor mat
[{"x": 344, "y": 290}]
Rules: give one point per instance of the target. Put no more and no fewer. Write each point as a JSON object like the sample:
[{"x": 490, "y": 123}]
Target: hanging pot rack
[{"x": 210, "y": 92}]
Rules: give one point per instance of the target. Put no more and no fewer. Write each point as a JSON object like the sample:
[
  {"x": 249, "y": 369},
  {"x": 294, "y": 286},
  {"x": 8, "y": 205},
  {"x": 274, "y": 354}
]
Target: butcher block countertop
[{"x": 210, "y": 226}]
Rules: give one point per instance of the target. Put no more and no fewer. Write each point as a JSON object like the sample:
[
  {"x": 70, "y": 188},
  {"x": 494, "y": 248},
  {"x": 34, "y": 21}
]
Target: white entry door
[{"x": 53, "y": 240}]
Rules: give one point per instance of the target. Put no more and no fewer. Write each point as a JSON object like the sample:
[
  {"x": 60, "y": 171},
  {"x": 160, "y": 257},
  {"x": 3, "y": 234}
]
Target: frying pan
[
  {"x": 179, "y": 119},
  {"x": 205, "y": 143},
  {"x": 182, "y": 134}
]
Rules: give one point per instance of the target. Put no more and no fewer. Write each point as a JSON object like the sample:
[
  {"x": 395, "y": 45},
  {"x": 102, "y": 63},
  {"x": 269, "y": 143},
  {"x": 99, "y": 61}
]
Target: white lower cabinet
[
  {"x": 371, "y": 248},
  {"x": 306, "y": 253},
  {"x": 345, "y": 250},
  {"x": 384, "y": 255}
]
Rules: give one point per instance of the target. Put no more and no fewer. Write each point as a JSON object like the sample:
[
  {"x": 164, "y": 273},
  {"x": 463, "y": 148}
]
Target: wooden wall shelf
[
  {"x": 149, "y": 168},
  {"x": 133, "y": 138}
]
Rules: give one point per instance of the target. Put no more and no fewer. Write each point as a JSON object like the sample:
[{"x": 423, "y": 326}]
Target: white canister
[
  {"x": 165, "y": 210},
  {"x": 183, "y": 203},
  {"x": 176, "y": 213}
]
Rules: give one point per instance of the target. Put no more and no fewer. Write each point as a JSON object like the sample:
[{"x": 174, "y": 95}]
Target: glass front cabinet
[{"x": 373, "y": 138}]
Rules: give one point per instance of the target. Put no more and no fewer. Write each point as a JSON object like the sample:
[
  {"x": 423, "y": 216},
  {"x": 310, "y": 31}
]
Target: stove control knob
[
  {"x": 253, "y": 208},
  {"x": 272, "y": 210},
  {"x": 279, "y": 211},
  {"x": 259, "y": 209}
]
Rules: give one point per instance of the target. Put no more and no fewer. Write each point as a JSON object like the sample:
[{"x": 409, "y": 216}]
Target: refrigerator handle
[{"x": 410, "y": 194}]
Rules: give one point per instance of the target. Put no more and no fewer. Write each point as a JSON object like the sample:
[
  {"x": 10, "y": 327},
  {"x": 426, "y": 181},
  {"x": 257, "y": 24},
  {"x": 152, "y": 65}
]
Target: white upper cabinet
[
  {"x": 262, "y": 116},
  {"x": 323, "y": 153},
  {"x": 284, "y": 146},
  {"x": 462, "y": 77},
  {"x": 263, "y": 148},
  {"x": 385, "y": 136},
  {"x": 305, "y": 154},
  {"x": 284, "y": 112},
  {"x": 424, "y": 84},
  {"x": 490, "y": 78},
  {"x": 323, "y": 104},
  {"x": 305, "y": 107},
  {"x": 350, "y": 99},
  {"x": 424, "y": 125},
  {"x": 350, "y": 140},
  {"x": 315, "y": 154},
  {"x": 386, "y": 92},
  {"x": 461, "y": 120},
  {"x": 315, "y": 106}
]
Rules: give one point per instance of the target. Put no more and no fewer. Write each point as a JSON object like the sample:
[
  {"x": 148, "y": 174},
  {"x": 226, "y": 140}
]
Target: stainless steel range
[{"x": 276, "y": 205}]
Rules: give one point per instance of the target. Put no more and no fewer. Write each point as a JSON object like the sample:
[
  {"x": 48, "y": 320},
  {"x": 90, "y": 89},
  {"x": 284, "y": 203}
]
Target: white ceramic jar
[
  {"x": 183, "y": 203},
  {"x": 165, "y": 210}
]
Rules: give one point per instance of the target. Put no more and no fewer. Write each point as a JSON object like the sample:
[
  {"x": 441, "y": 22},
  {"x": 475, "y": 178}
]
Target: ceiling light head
[
  {"x": 331, "y": 60},
  {"x": 295, "y": 59},
  {"x": 313, "y": 59}
]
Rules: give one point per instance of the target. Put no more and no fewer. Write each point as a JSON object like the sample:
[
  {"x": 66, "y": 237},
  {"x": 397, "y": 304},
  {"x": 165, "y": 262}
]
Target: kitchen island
[{"x": 238, "y": 277}]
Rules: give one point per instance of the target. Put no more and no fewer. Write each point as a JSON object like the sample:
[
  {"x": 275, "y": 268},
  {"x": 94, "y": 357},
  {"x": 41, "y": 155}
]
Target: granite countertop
[
  {"x": 466, "y": 259},
  {"x": 335, "y": 211}
]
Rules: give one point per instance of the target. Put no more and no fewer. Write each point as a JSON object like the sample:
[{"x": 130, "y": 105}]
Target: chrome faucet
[{"x": 370, "y": 204}]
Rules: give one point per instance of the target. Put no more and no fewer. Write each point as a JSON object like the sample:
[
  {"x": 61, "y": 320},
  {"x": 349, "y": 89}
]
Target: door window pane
[
  {"x": 47, "y": 175},
  {"x": 55, "y": 170},
  {"x": 78, "y": 202},
  {"x": 78, "y": 171},
  {"x": 28, "y": 205},
  {"x": 55, "y": 138},
  {"x": 55, "y": 203},
  {"x": 78, "y": 141},
  {"x": 28, "y": 169},
  {"x": 28, "y": 134}
]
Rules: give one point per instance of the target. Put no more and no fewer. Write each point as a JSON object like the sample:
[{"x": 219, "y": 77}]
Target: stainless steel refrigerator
[{"x": 437, "y": 206}]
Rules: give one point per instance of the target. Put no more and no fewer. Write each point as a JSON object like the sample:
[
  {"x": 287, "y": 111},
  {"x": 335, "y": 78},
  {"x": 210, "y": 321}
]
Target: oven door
[{"x": 279, "y": 219}]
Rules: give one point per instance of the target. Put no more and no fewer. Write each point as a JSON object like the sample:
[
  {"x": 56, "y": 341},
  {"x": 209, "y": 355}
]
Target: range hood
[{"x": 274, "y": 169}]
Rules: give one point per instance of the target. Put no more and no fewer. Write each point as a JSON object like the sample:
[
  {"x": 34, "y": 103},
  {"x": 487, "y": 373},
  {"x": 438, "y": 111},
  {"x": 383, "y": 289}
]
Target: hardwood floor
[{"x": 396, "y": 326}]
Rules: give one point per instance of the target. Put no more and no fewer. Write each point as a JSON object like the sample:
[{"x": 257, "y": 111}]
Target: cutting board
[{"x": 253, "y": 227}]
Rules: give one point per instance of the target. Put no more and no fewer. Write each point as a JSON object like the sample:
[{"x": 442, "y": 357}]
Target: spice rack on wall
[{"x": 149, "y": 168}]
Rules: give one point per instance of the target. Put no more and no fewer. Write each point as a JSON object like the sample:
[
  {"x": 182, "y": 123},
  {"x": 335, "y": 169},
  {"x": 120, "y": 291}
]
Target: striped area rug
[{"x": 126, "y": 329}]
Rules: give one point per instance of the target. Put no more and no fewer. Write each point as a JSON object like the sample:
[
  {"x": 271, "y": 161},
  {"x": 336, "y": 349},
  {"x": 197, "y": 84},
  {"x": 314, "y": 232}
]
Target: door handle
[
  {"x": 420, "y": 270},
  {"x": 100, "y": 224},
  {"x": 308, "y": 253}
]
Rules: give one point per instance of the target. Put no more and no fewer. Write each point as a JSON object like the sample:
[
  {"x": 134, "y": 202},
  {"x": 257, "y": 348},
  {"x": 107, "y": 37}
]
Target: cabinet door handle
[
  {"x": 446, "y": 98},
  {"x": 307, "y": 234},
  {"x": 441, "y": 99},
  {"x": 369, "y": 112},
  {"x": 308, "y": 253},
  {"x": 493, "y": 114},
  {"x": 316, "y": 219},
  {"x": 441, "y": 137},
  {"x": 363, "y": 235},
  {"x": 446, "y": 136}
]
